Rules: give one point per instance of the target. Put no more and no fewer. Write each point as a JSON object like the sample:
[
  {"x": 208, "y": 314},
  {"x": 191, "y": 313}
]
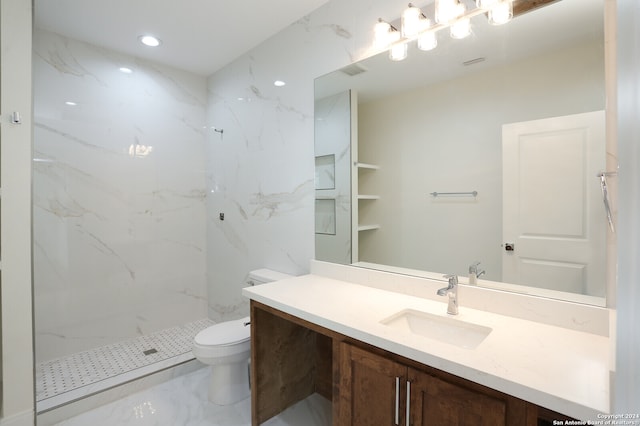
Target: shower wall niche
[{"x": 119, "y": 196}]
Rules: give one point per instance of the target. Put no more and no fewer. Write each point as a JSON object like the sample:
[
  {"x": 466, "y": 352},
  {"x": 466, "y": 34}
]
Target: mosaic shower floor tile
[{"x": 89, "y": 368}]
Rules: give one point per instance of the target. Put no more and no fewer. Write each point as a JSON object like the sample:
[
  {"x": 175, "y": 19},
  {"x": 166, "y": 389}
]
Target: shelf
[
  {"x": 368, "y": 197},
  {"x": 368, "y": 227},
  {"x": 367, "y": 166}
]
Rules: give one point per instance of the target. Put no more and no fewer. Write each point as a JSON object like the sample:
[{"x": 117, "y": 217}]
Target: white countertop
[{"x": 560, "y": 369}]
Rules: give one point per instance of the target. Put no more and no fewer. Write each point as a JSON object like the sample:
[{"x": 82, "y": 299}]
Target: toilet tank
[{"x": 261, "y": 276}]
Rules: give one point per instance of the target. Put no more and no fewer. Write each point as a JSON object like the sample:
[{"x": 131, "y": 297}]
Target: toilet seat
[{"x": 223, "y": 339}]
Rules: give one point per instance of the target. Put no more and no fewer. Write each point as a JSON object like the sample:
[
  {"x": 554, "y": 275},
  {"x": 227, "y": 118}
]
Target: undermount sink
[{"x": 444, "y": 329}]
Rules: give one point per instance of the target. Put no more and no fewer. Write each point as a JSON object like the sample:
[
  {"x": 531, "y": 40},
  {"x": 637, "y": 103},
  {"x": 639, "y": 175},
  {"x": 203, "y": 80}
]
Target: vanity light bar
[{"x": 388, "y": 37}]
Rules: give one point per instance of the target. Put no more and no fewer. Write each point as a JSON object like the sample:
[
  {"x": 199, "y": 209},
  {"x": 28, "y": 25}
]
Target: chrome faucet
[
  {"x": 452, "y": 292},
  {"x": 475, "y": 273}
]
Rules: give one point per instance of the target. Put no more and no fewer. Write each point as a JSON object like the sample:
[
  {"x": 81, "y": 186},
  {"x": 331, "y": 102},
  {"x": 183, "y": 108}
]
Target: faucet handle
[
  {"x": 453, "y": 279},
  {"x": 473, "y": 268}
]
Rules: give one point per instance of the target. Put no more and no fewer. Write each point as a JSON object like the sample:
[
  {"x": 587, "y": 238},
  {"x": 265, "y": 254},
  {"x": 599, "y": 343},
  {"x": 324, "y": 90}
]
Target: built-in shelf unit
[
  {"x": 364, "y": 198},
  {"x": 363, "y": 171},
  {"x": 364, "y": 189}
]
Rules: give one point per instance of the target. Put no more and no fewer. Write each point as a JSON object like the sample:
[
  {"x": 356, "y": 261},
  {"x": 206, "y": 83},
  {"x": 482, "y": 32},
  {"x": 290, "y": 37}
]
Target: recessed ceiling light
[
  {"x": 279, "y": 83},
  {"x": 70, "y": 103},
  {"x": 126, "y": 70},
  {"x": 150, "y": 41}
]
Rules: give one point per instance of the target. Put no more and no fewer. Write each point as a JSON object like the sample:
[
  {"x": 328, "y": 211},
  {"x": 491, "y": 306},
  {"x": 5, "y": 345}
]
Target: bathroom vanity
[{"x": 351, "y": 344}]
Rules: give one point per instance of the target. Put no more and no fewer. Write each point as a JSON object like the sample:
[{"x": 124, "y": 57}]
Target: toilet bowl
[{"x": 226, "y": 347}]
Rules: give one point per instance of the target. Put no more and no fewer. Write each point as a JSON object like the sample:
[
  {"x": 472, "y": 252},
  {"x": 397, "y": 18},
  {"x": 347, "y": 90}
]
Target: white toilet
[{"x": 226, "y": 347}]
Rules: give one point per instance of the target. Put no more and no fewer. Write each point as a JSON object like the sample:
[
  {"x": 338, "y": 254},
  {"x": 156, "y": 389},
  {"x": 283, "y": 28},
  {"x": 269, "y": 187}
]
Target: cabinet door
[
  {"x": 372, "y": 389},
  {"x": 434, "y": 401}
]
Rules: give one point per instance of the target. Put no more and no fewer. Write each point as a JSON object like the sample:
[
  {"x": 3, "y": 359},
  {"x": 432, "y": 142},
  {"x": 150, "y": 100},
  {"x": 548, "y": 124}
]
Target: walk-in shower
[{"x": 118, "y": 213}]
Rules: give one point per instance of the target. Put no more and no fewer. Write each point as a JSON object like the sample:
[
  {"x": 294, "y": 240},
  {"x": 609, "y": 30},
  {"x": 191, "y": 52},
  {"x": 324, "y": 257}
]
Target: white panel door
[{"x": 554, "y": 224}]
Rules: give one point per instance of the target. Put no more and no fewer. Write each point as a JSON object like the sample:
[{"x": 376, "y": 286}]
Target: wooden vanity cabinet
[
  {"x": 369, "y": 389},
  {"x": 377, "y": 389},
  {"x": 367, "y": 386},
  {"x": 434, "y": 399}
]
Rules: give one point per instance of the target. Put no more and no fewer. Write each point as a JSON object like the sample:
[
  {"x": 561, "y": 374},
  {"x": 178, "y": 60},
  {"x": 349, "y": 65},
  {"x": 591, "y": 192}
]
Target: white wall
[
  {"x": 627, "y": 379},
  {"x": 119, "y": 231},
  {"x": 447, "y": 137},
  {"x": 15, "y": 214}
]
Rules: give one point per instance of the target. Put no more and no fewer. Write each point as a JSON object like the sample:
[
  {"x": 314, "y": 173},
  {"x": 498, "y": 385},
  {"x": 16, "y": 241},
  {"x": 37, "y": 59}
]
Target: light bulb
[
  {"x": 398, "y": 52},
  {"x": 447, "y": 11},
  {"x": 501, "y": 13},
  {"x": 461, "y": 28},
  {"x": 381, "y": 31},
  {"x": 427, "y": 41},
  {"x": 411, "y": 21},
  {"x": 486, "y": 4}
]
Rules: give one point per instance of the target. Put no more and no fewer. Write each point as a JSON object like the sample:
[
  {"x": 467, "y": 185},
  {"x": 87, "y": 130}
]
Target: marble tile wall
[
  {"x": 112, "y": 229},
  {"x": 119, "y": 196},
  {"x": 263, "y": 164},
  {"x": 333, "y": 141}
]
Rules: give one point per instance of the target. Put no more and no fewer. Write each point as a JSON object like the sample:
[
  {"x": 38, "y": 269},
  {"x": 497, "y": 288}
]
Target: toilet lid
[{"x": 225, "y": 333}]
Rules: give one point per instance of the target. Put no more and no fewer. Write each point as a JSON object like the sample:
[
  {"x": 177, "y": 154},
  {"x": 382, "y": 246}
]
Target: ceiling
[
  {"x": 558, "y": 25},
  {"x": 200, "y": 36}
]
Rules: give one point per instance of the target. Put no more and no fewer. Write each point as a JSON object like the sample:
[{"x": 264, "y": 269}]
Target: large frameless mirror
[{"x": 480, "y": 157}]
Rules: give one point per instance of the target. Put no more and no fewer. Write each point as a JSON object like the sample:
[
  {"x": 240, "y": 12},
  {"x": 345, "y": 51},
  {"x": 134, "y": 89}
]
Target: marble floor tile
[
  {"x": 183, "y": 402},
  {"x": 313, "y": 411}
]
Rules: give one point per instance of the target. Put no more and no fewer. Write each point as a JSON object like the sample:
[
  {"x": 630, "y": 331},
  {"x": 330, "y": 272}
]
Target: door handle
[
  {"x": 605, "y": 196},
  {"x": 408, "y": 403},
  {"x": 397, "y": 401}
]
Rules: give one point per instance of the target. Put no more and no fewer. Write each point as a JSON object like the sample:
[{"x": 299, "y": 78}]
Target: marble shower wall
[
  {"x": 263, "y": 164},
  {"x": 119, "y": 196},
  {"x": 333, "y": 180}
]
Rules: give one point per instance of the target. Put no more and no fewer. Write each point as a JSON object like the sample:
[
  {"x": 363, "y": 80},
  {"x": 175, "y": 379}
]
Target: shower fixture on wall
[{"x": 452, "y": 14}]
